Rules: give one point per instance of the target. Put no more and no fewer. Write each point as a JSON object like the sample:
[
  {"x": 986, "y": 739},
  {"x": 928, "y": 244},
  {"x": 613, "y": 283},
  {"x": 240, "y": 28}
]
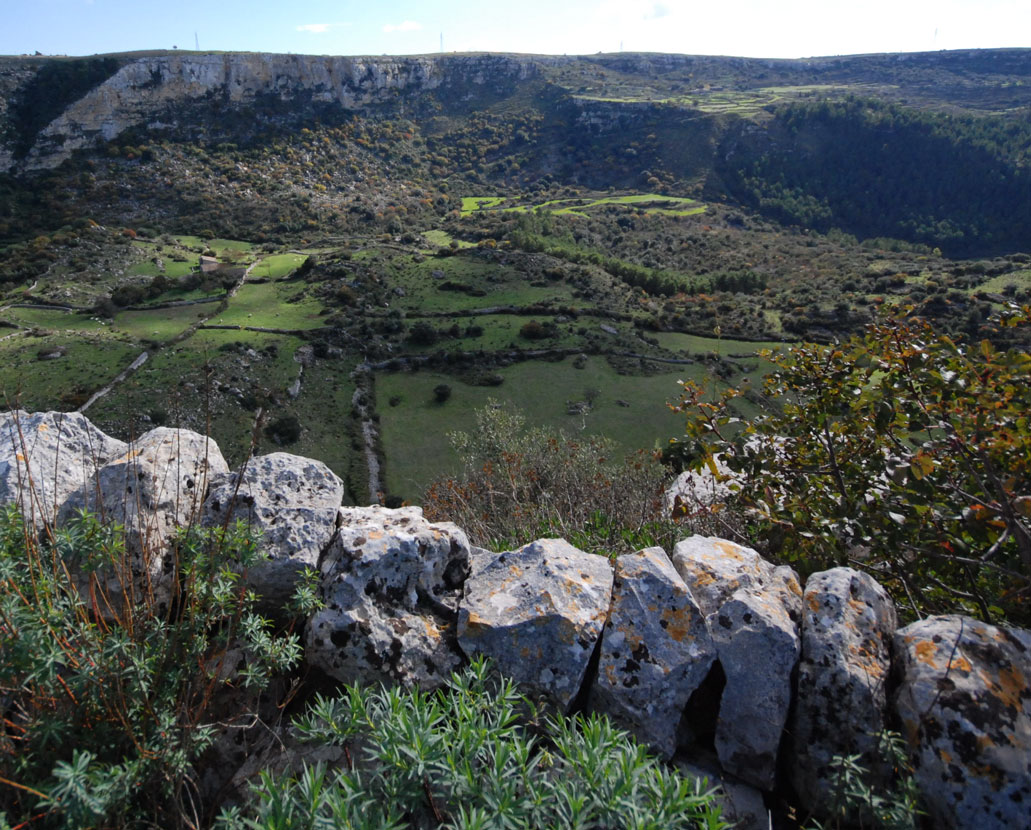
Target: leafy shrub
[
  {"x": 286, "y": 429},
  {"x": 521, "y": 484},
  {"x": 464, "y": 758},
  {"x": 107, "y": 701},
  {"x": 902, "y": 452}
]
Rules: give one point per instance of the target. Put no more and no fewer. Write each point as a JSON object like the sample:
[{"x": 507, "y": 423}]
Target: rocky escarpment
[
  {"x": 712, "y": 656},
  {"x": 169, "y": 91}
]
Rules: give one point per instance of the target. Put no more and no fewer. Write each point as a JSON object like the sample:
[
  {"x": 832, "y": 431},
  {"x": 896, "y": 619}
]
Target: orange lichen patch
[
  {"x": 729, "y": 549},
  {"x": 43, "y": 428},
  {"x": 926, "y": 651},
  {"x": 372, "y": 534},
  {"x": 1010, "y": 686},
  {"x": 813, "y": 603},
  {"x": 960, "y": 663},
  {"x": 704, "y": 578},
  {"x": 20, "y": 457},
  {"x": 431, "y": 630},
  {"x": 794, "y": 587},
  {"x": 678, "y": 623}
]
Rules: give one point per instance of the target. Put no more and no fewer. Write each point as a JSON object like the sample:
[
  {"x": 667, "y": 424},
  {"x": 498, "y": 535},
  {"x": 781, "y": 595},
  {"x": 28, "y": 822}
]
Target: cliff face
[{"x": 148, "y": 92}]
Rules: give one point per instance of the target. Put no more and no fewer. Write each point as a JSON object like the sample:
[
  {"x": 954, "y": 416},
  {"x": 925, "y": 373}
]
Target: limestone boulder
[
  {"x": 390, "y": 582},
  {"x": 964, "y": 703},
  {"x": 742, "y": 804},
  {"x": 655, "y": 649},
  {"x": 293, "y": 502},
  {"x": 153, "y": 489},
  {"x": 537, "y": 612},
  {"x": 848, "y": 621},
  {"x": 753, "y": 611},
  {"x": 46, "y": 456}
]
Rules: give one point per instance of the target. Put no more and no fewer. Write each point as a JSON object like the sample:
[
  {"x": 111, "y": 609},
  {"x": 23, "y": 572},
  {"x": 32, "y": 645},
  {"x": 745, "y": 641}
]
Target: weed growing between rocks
[
  {"x": 471, "y": 756},
  {"x": 108, "y": 701}
]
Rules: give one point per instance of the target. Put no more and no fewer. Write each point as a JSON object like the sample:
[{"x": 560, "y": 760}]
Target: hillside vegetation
[{"x": 572, "y": 236}]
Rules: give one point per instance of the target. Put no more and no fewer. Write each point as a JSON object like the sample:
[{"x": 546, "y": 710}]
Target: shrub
[
  {"x": 107, "y": 702},
  {"x": 441, "y": 392},
  {"x": 465, "y": 758},
  {"x": 286, "y": 429},
  {"x": 519, "y": 485},
  {"x": 901, "y": 452}
]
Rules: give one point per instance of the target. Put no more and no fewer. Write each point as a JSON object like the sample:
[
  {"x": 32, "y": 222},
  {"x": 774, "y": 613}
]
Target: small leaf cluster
[
  {"x": 471, "y": 756},
  {"x": 895, "y": 807},
  {"x": 106, "y": 693},
  {"x": 901, "y": 451}
]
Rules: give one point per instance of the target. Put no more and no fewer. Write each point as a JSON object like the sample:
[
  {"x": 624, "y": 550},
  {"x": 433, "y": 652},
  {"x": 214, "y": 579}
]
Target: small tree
[
  {"x": 900, "y": 451},
  {"x": 441, "y": 392}
]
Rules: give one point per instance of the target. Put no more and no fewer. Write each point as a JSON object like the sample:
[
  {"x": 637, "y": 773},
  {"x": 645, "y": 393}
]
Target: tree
[
  {"x": 901, "y": 451},
  {"x": 441, "y": 392}
]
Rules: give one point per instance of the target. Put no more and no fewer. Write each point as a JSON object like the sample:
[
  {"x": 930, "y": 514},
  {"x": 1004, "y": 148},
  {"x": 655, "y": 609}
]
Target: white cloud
[
  {"x": 407, "y": 26},
  {"x": 320, "y": 28}
]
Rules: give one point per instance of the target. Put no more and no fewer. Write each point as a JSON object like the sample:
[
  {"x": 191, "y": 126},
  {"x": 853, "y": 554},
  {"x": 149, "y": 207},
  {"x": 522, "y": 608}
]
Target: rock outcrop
[
  {"x": 407, "y": 601},
  {"x": 47, "y": 456},
  {"x": 655, "y": 651},
  {"x": 390, "y": 583},
  {"x": 154, "y": 91},
  {"x": 753, "y": 612},
  {"x": 964, "y": 702},
  {"x": 841, "y": 703},
  {"x": 537, "y": 612},
  {"x": 293, "y": 502},
  {"x": 155, "y": 488}
]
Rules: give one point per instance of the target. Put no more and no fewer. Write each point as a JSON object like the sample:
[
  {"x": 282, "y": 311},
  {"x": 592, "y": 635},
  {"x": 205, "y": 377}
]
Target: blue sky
[{"x": 755, "y": 28}]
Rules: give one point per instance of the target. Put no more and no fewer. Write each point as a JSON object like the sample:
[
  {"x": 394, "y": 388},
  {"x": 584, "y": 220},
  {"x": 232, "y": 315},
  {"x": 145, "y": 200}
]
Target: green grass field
[
  {"x": 415, "y": 432},
  {"x": 267, "y": 305},
  {"x": 161, "y": 324},
  {"x": 277, "y": 266},
  {"x": 578, "y": 206},
  {"x": 89, "y": 362}
]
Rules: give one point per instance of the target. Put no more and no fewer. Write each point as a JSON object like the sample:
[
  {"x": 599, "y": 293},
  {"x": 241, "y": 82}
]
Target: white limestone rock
[
  {"x": 537, "y": 612},
  {"x": 753, "y": 612},
  {"x": 655, "y": 650},
  {"x": 293, "y": 502},
  {"x": 390, "y": 581},
  {"x": 47, "y": 456}
]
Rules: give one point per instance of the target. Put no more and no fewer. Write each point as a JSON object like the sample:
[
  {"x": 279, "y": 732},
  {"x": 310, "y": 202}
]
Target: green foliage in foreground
[
  {"x": 471, "y": 756},
  {"x": 107, "y": 695},
  {"x": 900, "y": 451}
]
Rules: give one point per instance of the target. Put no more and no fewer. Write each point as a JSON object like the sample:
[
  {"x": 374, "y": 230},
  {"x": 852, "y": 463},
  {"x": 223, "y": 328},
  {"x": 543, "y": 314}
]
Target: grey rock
[
  {"x": 964, "y": 703},
  {"x": 153, "y": 489},
  {"x": 293, "y": 502},
  {"x": 753, "y": 611},
  {"x": 390, "y": 582},
  {"x": 655, "y": 650},
  {"x": 742, "y": 804},
  {"x": 537, "y": 612},
  {"x": 841, "y": 703},
  {"x": 47, "y": 456}
]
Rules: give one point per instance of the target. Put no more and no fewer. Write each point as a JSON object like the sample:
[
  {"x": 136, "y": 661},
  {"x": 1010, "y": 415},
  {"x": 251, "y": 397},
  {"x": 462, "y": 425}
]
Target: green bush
[
  {"x": 472, "y": 756},
  {"x": 522, "y": 484},
  {"x": 901, "y": 452},
  {"x": 107, "y": 698}
]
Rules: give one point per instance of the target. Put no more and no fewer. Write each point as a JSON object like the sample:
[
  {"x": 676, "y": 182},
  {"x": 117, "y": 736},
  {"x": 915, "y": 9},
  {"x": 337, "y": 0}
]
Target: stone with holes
[
  {"x": 655, "y": 650},
  {"x": 753, "y": 612},
  {"x": 537, "y": 612},
  {"x": 47, "y": 456},
  {"x": 390, "y": 581},
  {"x": 964, "y": 703},
  {"x": 153, "y": 489},
  {"x": 293, "y": 502},
  {"x": 848, "y": 621}
]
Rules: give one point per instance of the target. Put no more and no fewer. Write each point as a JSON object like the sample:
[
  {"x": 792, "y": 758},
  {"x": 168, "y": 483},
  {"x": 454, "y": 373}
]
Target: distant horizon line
[{"x": 162, "y": 52}]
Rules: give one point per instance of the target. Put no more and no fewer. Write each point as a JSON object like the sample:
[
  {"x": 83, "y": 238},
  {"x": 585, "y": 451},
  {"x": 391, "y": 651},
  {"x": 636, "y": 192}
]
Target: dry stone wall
[{"x": 788, "y": 678}]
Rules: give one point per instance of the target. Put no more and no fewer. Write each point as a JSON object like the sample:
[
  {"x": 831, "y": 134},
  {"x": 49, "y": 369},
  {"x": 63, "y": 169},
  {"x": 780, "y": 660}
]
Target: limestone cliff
[{"x": 151, "y": 92}]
